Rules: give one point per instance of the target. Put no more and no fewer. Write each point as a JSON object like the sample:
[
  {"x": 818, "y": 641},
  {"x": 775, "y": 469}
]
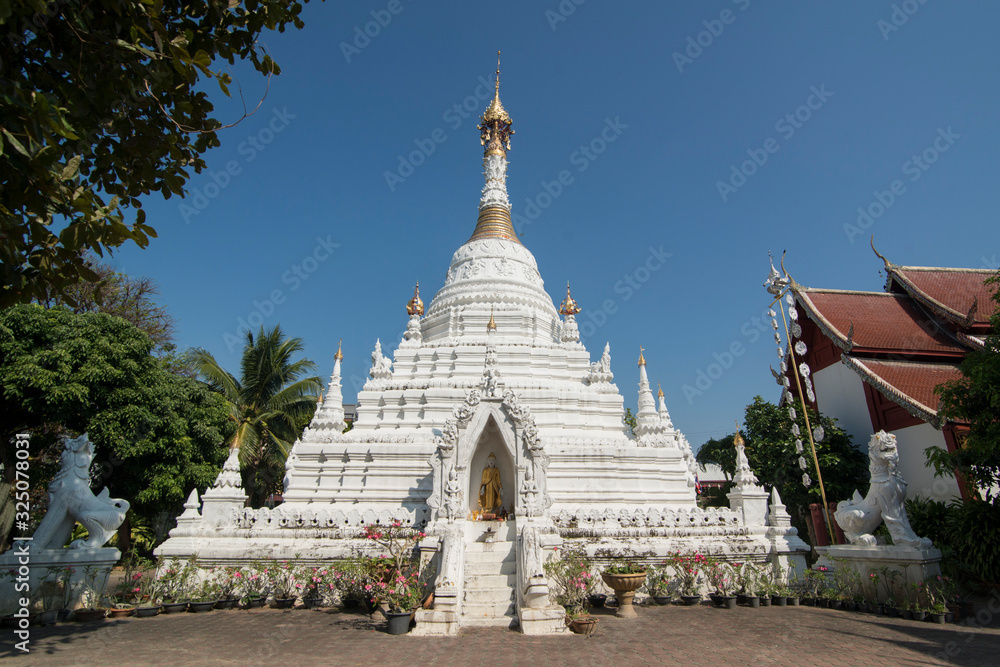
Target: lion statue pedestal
[
  {"x": 70, "y": 501},
  {"x": 915, "y": 557}
]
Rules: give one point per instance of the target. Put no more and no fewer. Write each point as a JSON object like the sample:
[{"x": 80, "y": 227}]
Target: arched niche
[{"x": 496, "y": 437}]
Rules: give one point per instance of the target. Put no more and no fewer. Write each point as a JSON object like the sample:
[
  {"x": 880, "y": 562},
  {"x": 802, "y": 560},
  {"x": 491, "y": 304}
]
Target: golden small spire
[
  {"x": 494, "y": 128},
  {"x": 492, "y": 325},
  {"x": 659, "y": 391},
  {"x": 415, "y": 306},
  {"x": 642, "y": 359},
  {"x": 340, "y": 355},
  {"x": 738, "y": 439},
  {"x": 568, "y": 306}
]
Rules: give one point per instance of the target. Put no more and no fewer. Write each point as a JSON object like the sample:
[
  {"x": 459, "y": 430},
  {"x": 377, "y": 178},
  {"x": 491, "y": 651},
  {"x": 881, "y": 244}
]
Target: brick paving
[{"x": 661, "y": 635}]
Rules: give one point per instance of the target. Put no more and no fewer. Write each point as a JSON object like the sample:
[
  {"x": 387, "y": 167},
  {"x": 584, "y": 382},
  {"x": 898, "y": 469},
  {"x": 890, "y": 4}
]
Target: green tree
[
  {"x": 720, "y": 452},
  {"x": 770, "y": 449},
  {"x": 270, "y": 405},
  {"x": 974, "y": 399},
  {"x": 101, "y": 103},
  {"x": 156, "y": 434},
  {"x": 629, "y": 420}
]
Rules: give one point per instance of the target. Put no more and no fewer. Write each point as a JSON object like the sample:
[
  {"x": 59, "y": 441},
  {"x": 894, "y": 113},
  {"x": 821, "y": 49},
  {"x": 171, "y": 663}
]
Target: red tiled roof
[
  {"x": 883, "y": 323},
  {"x": 951, "y": 292},
  {"x": 907, "y": 383}
]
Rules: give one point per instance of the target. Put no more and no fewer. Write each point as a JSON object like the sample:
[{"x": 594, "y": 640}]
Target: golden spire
[
  {"x": 738, "y": 439},
  {"x": 415, "y": 306},
  {"x": 642, "y": 359},
  {"x": 494, "y": 128},
  {"x": 568, "y": 306},
  {"x": 340, "y": 355},
  {"x": 492, "y": 325},
  {"x": 659, "y": 391}
]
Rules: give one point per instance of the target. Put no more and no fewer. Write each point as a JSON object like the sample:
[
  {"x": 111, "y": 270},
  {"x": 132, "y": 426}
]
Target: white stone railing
[
  {"x": 296, "y": 518},
  {"x": 712, "y": 521}
]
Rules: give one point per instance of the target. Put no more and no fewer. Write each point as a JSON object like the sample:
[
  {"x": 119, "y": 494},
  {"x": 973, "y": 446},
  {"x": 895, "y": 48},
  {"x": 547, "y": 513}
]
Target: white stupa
[{"x": 489, "y": 376}]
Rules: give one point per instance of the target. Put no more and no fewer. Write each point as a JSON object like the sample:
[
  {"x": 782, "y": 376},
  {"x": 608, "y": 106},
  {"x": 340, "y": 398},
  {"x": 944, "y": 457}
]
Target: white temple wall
[
  {"x": 912, "y": 441},
  {"x": 841, "y": 395}
]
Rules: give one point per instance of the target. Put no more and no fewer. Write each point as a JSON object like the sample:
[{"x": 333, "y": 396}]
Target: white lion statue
[
  {"x": 859, "y": 517},
  {"x": 71, "y": 500}
]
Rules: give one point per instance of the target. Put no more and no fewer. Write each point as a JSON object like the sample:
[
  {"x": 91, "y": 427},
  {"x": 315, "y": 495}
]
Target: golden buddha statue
[{"x": 490, "y": 488}]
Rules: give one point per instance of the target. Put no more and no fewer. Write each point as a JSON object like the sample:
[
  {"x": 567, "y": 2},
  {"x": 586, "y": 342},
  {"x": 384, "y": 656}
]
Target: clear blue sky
[{"x": 312, "y": 163}]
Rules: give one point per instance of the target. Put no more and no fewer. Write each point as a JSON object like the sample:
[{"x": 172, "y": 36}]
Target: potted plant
[
  {"x": 687, "y": 569},
  {"x": 722, "y": 578},
  {"x": 148, "y": 604},
  {"x": 659, "y": 585},
  {"x": 175, "y": 582},
  {"x": 936, "y": 599},
  {"x": 94, "y": 579},
  {"x": 226, "y": 580},
  {"x": 625, "y": 574},
  {"x": 203, "y": 597},
  {"x": 315, "y": 586},
  {"x": 253, "y": 585},
  {"x": 573, "y": 582},
  {"x": 282, "y": 577}
]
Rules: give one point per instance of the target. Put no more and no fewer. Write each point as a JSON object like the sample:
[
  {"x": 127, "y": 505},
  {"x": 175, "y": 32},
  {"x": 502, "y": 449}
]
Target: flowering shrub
[
  {"x": 721, "y": 577},
  {"x": 687, "y": 571},
  {"x": 573, "y": 580},
  {"x": 283, "y": 579},
  {"x": 395, "y": 578}
]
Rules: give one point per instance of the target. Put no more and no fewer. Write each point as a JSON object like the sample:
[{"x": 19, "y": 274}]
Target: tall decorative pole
[{"x": 779, "y": 286}]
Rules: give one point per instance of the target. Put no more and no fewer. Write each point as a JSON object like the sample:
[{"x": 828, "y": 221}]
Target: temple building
[
  {"x": 876, "y": 358},
  {"x": 490, "y": 426}
]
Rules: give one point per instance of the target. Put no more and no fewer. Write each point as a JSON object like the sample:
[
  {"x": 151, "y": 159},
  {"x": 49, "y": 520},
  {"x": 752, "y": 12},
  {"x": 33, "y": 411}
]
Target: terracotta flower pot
[
  {"x": 582, "y": 626},
  {"x": 624, "y": 586}
]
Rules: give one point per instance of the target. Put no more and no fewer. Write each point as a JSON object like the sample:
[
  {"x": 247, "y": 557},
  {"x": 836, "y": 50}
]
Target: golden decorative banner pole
[{"x": 780, "y": 287}]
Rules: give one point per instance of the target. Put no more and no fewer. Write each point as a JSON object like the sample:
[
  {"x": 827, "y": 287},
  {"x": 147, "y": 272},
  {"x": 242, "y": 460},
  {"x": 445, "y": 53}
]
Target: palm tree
[{"x": 271, "y": 403}]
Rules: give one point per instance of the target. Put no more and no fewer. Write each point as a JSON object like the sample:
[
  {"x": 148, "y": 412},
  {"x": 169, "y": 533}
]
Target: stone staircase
[{"x": 490, "y": 579}]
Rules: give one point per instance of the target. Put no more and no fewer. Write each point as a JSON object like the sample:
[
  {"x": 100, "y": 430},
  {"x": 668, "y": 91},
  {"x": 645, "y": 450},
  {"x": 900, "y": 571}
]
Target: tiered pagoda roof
[{"x": 902, "y": 342}]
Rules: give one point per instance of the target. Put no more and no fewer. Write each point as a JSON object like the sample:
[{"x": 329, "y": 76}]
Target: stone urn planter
[
  {"x": 398, "y": 622},
  {"x": 624, "y": 586},
  {"x": 582, "y": 626}
]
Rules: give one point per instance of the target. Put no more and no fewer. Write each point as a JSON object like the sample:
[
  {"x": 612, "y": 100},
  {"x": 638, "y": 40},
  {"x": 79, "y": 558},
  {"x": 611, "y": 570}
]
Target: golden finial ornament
[
  {"x": 568, "y": 306},
  {"x": 659, "y": 390},
  {"x": 339, "y": 356},
  {"x": 642, "y": 359},
  {"x": 494, "y": 128},
  {"x": 415, "y": 306},
  {"x": 738, "y": 439},
  {"x": 492, "y": 325}
]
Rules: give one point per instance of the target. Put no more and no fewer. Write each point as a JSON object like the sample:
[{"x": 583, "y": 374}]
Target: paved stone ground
[{"x": 661, "y": 635}]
